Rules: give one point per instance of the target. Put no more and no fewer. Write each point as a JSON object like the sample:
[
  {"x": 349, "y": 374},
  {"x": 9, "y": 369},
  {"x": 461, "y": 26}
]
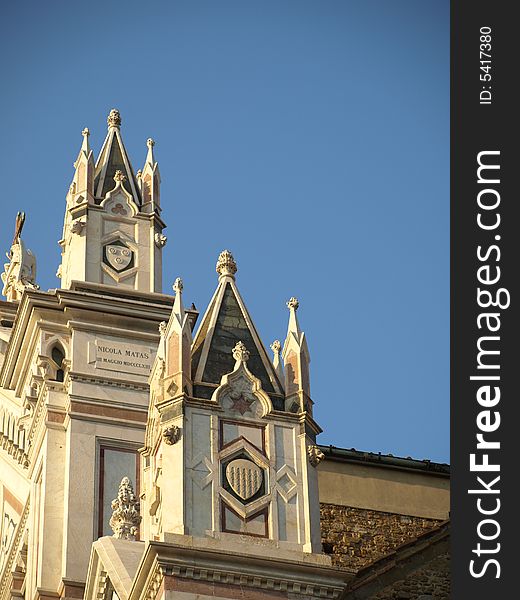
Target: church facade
[{"x": 149, "y": 452}]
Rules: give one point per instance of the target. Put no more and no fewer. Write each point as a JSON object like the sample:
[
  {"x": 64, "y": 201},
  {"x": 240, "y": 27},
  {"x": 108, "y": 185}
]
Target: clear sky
[{"x": 310, "y": 138}]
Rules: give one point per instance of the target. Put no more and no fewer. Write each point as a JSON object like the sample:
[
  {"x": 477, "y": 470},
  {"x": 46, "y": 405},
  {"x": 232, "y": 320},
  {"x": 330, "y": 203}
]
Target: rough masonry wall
[
  {"x": 431, "y": 582},
  {"x": 355, "y": 537}
]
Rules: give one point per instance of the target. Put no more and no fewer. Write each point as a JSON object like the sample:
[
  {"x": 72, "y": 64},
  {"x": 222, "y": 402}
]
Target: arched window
[{"x": 58, "y": 356}]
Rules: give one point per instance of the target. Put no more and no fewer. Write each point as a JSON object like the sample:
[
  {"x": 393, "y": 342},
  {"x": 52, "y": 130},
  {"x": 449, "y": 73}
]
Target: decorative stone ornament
[
  {"x": 315, "y": 455},
  {"x": 20, "y": 272},
  {"x": 226, "y": 264},
  {"x": 171, "y": 435},
  {"x": 276, "y": 346},
  {"x": 118, "y": 257},
  {"x": 240, "y": 352},
  {"x": 119, "y": 176},
  {"x": 125, "y": 518},
  {"x": 77, "y": 227},
  {"x": 114, "y": 118},
  {"x": 293, "y": 303},
  {"x": 244, "y": 477},
  {"x": 178, "y": 286},
  {"x": 160, "y": 240}
]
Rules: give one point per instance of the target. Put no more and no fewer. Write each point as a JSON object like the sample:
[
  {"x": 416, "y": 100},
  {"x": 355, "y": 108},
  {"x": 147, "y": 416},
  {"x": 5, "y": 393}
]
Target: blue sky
[{"x": 311, "y": 138}]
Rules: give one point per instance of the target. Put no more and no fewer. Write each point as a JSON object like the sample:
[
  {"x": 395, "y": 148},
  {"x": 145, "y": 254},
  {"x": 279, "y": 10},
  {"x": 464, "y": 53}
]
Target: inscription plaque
[{"x": 118, "y": 356}]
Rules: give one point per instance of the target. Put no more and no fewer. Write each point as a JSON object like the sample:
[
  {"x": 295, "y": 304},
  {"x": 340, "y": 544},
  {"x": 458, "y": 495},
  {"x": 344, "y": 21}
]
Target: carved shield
[
  {"x": 244, "y": 477},
  {"x": 118, "y": 257}
]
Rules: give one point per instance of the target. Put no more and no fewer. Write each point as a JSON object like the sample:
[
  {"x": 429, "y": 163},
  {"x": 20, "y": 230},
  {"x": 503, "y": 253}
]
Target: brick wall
[{"x": 355, "y": 537}]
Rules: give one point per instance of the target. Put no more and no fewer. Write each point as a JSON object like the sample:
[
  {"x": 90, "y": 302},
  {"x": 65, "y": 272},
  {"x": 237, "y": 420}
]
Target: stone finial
[
  {"x": 315, "y": 455},
  {"x": 114, "y": 118},
  {"x": 226, "y": 264},
  {"x": 293, "y": 304},
  {"x": 139, "y": 174},
  {"x": 276, "y": 346},
  {"x": 85, "y": 132},
  {"x": 178, "y": 286},
  {"x": 150, "y": 143},
  {"x": 125, "y": 517},
  {"x": 162, "y": 327},
  {"x": 240, "y": 352},
  {"x": 119, "y": 176}
]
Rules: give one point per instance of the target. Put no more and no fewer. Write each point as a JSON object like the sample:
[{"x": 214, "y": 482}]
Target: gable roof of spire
[
  {"x": 114, "y": 157},
  {"x": 226, "y": 322}
]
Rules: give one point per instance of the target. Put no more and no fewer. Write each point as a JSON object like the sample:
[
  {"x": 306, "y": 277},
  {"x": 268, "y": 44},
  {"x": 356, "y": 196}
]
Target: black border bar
[{"x": 484, "y": 521}]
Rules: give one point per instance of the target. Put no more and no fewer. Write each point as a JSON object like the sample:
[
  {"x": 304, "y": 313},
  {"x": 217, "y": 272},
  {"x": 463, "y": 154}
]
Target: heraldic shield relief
[
  {"x": 244, "y": 477},
  {"x": 118, "y": 256}
]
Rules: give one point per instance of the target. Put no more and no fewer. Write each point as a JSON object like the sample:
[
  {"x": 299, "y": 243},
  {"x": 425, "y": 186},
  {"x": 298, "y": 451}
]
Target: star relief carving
[
  {"x": 240, "y": 403},
  {"x": 240, "y": 391}
]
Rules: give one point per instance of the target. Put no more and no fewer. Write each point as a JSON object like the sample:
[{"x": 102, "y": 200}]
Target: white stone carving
[
  {"x": 160, "y": 240},
  {"x": 244, "y": 477},
  {"x": 240, "y": 352},
  {"x": 293, "y": 303},
  {"x": 20, "y": 272},
  {"x": 114, "y": 118},
  {"x": 276, "y": 346},
  {"x": 226, "y": 264},
  {"x": 125, "y": 518},
  {"x": 315, "y": 455},
  {"x": 178, "y": 286}
]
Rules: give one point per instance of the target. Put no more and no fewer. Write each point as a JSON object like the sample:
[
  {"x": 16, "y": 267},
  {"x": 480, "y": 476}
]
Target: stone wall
[
  {"x": 430, "y": 582},
  {"x": 355, "y": 537}
]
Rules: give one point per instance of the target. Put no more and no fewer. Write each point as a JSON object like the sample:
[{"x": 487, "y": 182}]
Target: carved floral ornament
[
  {"x": 226, "y": 264},
  {"x": 114, "y": 118},
  {"x": 125, "y": 517}
]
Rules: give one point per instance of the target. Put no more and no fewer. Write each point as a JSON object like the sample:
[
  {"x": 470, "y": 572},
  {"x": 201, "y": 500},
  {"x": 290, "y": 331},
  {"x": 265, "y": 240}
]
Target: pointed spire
[
  {"x": 150, "y": 180},
  {"x": 177, "y": 339},
  {"x": 276, "y": 347},
  {"x": 296, "y": 361},
  {"x": 150, "y": 143},
  {"x": 82, "y": 187},
  {"x": 294, "y": 326},
  {"x": 85, "y": 146},
  {"x": 178, "y": 308},
  {"x": 114, "y": 157},
  {"x": 226, "y": 321},
  {"x": 125, "y": 517}
]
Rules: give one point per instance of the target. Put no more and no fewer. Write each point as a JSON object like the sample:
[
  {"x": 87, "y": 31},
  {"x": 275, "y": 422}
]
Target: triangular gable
[
  {"x": 225, "y": 323},
  {"x": 113, "y": 157}
]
